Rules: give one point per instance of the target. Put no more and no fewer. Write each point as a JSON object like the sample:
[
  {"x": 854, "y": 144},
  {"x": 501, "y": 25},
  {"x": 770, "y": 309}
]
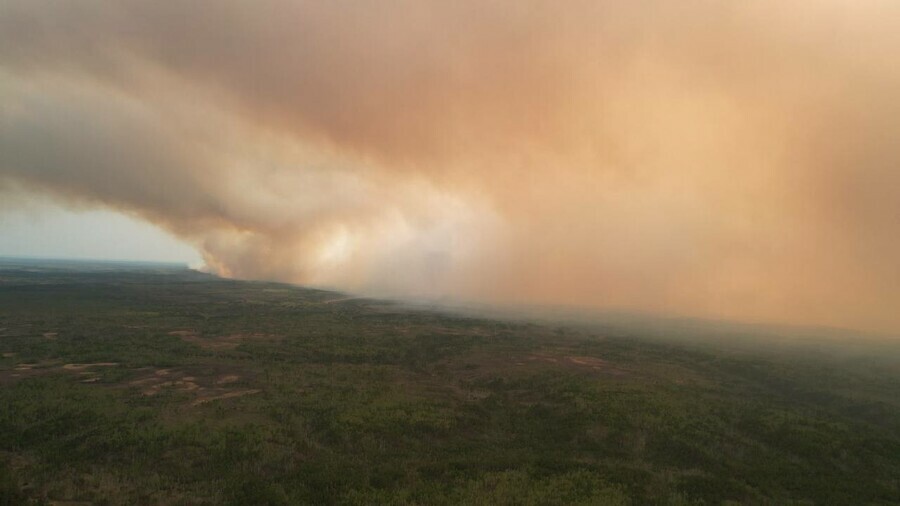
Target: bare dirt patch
[
  {"x": 228, "y": 378},
  {"x": 32, "y": 369},
  {"x": 201, "y": 384},
  {"x": 29, "y": 370},
  {"x": 160, "y": 379},
  {"x": 176, "y": 384},
  {"x": 81, "y": 367},
  {"x": 204, "y": 385},
  {"x": 227, "y": 395}
]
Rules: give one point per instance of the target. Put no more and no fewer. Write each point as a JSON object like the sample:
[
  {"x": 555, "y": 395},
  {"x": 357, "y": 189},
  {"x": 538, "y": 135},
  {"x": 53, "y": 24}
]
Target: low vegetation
[{"x": 157, "y": 385}]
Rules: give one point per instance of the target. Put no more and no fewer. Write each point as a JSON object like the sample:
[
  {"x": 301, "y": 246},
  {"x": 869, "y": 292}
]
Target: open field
[{"x": 159, "y": 385}]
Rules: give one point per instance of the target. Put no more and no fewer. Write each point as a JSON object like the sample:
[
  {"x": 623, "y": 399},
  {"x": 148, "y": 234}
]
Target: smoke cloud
[{"x": 707, "y": 158}]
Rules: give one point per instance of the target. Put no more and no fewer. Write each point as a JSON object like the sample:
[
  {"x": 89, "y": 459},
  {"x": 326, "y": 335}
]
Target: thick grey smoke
[{"x": 709, "y": 158}]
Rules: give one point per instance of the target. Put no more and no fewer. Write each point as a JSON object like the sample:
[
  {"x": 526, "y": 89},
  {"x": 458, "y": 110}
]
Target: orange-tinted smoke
[{"x": 707, "y": 158}]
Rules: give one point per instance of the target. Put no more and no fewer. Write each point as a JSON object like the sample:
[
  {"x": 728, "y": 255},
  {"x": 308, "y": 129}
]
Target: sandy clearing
[
  {"x": 79, "y": 367},
  {"x": 177, "y": 384},
  {"x": 228, "y": 395},
  {"x": 142, "y": 381},
  {"x": 228, "y": 378}
]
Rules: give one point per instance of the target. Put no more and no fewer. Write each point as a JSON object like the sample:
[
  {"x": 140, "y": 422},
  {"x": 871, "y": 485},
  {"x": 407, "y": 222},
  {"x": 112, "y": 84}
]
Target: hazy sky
[
  {"x": 708, "y": 158},
  {"x": 100, "y": 234}
]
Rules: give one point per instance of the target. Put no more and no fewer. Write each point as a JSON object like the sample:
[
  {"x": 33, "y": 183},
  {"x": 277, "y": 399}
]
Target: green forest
[{"x": 151, "y": 384}]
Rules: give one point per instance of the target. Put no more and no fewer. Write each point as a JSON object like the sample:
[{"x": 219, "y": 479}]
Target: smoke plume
[{"x": 708, "y": 158}]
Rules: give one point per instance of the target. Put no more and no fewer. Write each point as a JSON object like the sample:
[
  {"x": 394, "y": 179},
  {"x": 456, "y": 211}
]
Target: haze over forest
[{"x": 718, "y": 159}]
